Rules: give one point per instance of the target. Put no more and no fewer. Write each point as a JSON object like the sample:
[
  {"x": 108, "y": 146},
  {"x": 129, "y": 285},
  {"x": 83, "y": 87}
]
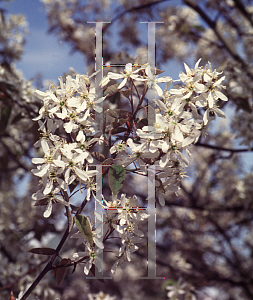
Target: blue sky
[
  {"x": 42, "y": 51},
  {"x": 45, "y": 54}
]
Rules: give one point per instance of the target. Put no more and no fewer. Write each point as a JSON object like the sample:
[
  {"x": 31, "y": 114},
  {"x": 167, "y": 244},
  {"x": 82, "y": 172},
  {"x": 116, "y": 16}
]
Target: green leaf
[
  {"x": 83, "y": 225},
  {"x": 156, "y": 71},
  {"x": 4, "y": 86},
  {"x": 41, "y": 202},
  {"x": 117, "y": 123},
  {"x": 17, "y": 118},
  {"x": 74, "y": 207},
  {"x": 94, "y": 271},
  {"x": 141, "y": 123},
  {"x": 112, "y": 89},
  {"x": 43, "y": 251},
  {"x": 106, "y": 164},
  {"x": 199, "y": 28},
  {"x": 136, "y": 61},
  {"x": 168, "y": 282},
  {"x": 118, "y": 113},
  {"x": 70, "y": 219},
  {"x": 118, "y": 130},
  {"x": 98, "y": 156},
  {"x": 126, "y": 93},
  {"x": 5, "y": 115},
  {"x": 62, "y": 272},
  {"x": 72, "y": 186},
  {"x": 117, "y": 175}
]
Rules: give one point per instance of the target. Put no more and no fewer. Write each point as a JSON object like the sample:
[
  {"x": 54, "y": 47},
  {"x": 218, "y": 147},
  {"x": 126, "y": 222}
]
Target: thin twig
[
  {"x": 49, "y": 265},
  {"x": 213, "y": 26},
  {"x": 132, "y": 9},
  {"x": 223, "y": 148}
]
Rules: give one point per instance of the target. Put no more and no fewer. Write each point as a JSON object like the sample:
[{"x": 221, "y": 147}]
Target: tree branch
[
  {"x": 129, "y": 10},
  {"x": 242, "y": 9},
  {"x": 212, "y": 24},
  {"x": 223, "y": 148},
  {"x": 49, "y": 265}
]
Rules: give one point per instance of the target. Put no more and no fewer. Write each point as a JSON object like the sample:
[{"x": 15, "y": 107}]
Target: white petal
[
  {"x": 62, "y": 184},
  {"x": 221, "y": 96},
  {"x": 68, "y": 127},
  {"x": 219, "y": 81},
  {"x": 87, "y": 267},
  {"x": 48, "y": 210},
  {"x": 187, "y": 69},
  {"x": 38, "y": 196},
  {"x": 176, "y": 91},
  {"x": 61, "y": 201},
  {"x": 199, "y": 87},
  {"x": 45, "y": 146},
  {"x": 81, "y": 174},
  {"x": 177, "y": 134},
  {"x": 164, "y": 79},
  {"x": 114, "y": 267},
  {"x": 122, "y": 83},
  {"x": 114, "y": 76},
  {"x": 104, "y": 81},
  {"x": 42, "y": 171},
  {"x": 161, "y": 198},
  {"x": 38, "y": 161},
  {"x": 99, "y": 243},
  {"x": 206, "y": 117},
  {"x": 159, "y": 90},
  {"x": 128, "y": 255},
  {"x": 219, "y": 113},
  {"x": 48, "y": 188},
  {"x": 197, "y": 63},
  {"x": 100, "y": 100},
  {"x": 98, "y": 109},
  {"x": 210, "y": 100},
  {"x": 59, "y": 163},
  {"x": 187, "y": 141}
]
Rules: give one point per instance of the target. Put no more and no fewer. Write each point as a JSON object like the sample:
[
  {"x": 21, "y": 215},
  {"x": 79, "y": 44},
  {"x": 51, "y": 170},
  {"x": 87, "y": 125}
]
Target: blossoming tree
[{"x": 203, "y": 224}]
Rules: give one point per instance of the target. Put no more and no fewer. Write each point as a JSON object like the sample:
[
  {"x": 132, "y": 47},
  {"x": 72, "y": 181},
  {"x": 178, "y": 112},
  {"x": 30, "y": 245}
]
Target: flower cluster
[
  {"x": 121, "y": 216},
  {"x": 68, "y": 123},
  {"x": 66, "y": 110},
  {"x": 181, "y": 291},
  {"x": 182, "y": 113}
]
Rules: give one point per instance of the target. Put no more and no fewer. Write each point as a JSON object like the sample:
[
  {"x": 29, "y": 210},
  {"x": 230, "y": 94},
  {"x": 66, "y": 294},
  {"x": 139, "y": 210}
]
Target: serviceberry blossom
[
  {"x": 71, "y": 144},
  {"x": 127, "y": 74},
  {"x": 92, "y": 255}
]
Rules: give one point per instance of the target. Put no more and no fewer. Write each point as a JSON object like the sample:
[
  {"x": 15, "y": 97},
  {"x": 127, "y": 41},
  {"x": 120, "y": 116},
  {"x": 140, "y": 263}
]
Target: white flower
[
  {"x": 48, "y": 161},
  {"x": 70, "y": 162},
  {"x": 118, "y": 147},
  {"x": 215, "y": 110},
  {"x": 129, "y": 246},
  {"x": 120, "y": 261},
  {"x": 190, "y": 74},
  {"x": 100, "y": 296},
  {"x": 180, "y": 288},
  {"x": 93, "y": 258},
  {"x": 139, "y": 152},
  {"x": 52, "y": 197},
  {"x": 129, "y": 210},
  {"x": 51, "y": 179},
  {"x": 153, "y": 80},
  {"x": 128, "y": 73},
  {"x": 95, "y": 236}
]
